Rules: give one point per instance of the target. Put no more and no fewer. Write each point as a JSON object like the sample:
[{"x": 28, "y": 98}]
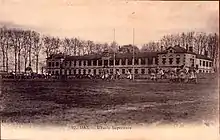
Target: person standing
[
  {"x": 118, "y": 75},
  {"x": 129, "y": 75}
]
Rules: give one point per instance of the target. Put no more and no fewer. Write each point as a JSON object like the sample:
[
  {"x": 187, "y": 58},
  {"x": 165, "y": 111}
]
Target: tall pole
[
  {"x": 114, "y": 35},
  {"x": 114, "y": 53},
  {"x": 133, "y": 54}
]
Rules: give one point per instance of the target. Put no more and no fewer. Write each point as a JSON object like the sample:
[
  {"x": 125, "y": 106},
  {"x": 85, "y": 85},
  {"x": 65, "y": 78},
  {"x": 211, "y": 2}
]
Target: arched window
[
  {"x": 84, "y": 62},
  {"x": 99, "y": 62},
  {"x": 177, "y": 59},
  {"x": 136, "y": 61},
  {"x": 94, "y": 62},
  {"x": 89, "y": 62},
  {"x": 129, "y": 61},
  {"x": 143, "y": 61},
  {"x": 111, "y": 62},
  {"x": 171, "y": 59},
  {"x": 117, "y": 62},
  {"x": 122, "y": 61},
  {"x": 80, "y": 63},
  {"x": 164, "y": 59},
  {"x": 150, "y": 61}
]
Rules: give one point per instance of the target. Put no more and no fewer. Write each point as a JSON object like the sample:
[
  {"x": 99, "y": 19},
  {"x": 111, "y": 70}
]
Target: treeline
[
  {"x": 22, "y": 48},
  {"x": 199, "y": 40}
]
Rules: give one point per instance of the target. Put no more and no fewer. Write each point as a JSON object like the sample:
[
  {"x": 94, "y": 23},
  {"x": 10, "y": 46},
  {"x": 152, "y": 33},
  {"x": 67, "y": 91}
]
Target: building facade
[{"x": 140, "y": 63}]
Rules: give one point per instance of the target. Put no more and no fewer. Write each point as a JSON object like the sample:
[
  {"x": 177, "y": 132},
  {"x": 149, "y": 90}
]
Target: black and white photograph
[{"x": 109, "y": 70}]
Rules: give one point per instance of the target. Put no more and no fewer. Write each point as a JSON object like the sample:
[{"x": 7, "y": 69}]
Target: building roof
[
  {"x": 136, "y": 55},
  {"x": 128, "y": 55},
  {"x": 84, "y": 57},
  {"x": 128, "y": 48},
  {"x": 199, "y": 56},
  {"x": 56, "y": 56},
  {"x": 178, "y": 49},
  {"x": 117, "y": 56}
]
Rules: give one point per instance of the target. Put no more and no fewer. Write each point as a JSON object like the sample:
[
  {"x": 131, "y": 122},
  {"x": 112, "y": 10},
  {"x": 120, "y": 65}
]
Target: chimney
[
  {"x": 187, "y": 48},
  {"x": 161, "y": 48}
]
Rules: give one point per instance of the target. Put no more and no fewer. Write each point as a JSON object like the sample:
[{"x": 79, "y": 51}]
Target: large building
[{"x": 144, "y": 62}]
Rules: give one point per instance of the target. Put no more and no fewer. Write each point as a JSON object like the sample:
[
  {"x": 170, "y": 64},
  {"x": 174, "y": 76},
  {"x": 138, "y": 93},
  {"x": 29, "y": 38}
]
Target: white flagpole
[
  {"x": 133, "y": 54},
  {"x": 114, "y": 54}
]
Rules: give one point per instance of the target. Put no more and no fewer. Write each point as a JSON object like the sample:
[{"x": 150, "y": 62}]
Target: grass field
[{"x": 122, "y": 102}]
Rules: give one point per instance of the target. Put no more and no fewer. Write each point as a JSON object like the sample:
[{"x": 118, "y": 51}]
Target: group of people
[
  {"x": 106, "y": 75},
  {"x": 175, "y": 75},
  {"x": 181, "y": 74}
]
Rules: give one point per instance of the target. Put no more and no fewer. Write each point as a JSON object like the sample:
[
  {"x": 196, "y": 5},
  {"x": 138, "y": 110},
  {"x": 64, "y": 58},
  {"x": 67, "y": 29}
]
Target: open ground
[{"x": 96, "y": 102}]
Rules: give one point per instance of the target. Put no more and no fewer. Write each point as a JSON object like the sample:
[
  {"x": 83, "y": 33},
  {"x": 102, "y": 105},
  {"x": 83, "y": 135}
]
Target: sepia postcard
[{"x": 109, "y": 70}]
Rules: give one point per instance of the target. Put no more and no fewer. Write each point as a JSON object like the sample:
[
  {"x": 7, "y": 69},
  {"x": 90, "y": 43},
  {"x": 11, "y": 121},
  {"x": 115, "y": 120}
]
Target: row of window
[
  {"x": 53, "y": 64},
  {"x": 205, "y": 63},
  {"x": 97, "y": 71},
  {"x": 163, "y": 56},
  {"x": 129, "y": 62},
  {"x": 204, "y": 71},
  {"x": 105, "y": 62},
  {"x": 170, "y": 60}
]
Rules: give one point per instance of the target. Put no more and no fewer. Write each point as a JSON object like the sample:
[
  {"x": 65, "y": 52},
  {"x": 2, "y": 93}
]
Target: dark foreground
[{"x": 122, "y": 102}]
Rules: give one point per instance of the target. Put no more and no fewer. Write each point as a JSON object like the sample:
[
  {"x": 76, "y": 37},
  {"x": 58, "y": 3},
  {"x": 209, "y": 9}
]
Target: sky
[{"x": 96, "y": 19}]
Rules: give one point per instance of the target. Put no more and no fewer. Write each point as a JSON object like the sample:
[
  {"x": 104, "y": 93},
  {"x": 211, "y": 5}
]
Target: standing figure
[
  {"x": 91, "y": 76},
  {"x": 153, "y": 75},
  {"x": 172, "y": 76},
  {"x": 192, "y": 76},
  {"x": 160, "y": 74},
  {"x": 106, "y": 75},
  {"x": 118, "y": 75},
  {"x": 103, "y": 75},
  {"x": 182, "y": 75},
  {"x": 129, "y": 75}
]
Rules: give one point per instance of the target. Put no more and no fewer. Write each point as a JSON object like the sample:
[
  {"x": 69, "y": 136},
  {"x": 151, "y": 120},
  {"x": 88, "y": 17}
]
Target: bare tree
[
  {"x": 36, "y": 48},
  {"x": 83, "y": 47},
  {"x": 51, "y": 45},
  {"x": 2, "y": 44},
  {"x": 14, "y": 43},
  {"x": 98, "y": 48},
  {"x": 26, "y": 45},
  {"x": 79, "y": 47},
  {"x": 213, "y": 47},
  {"x": 149, "y": 47},
  {"x": 75, "y": 45},
  {"x": 29, "y": 46},
  {"x": 8, "y": 41},
  {"x": 90, "y": 47},
  {"x": 20, "y": 43},
  {"x": 5, "y": 42},
  {"x": 66, "y": 46},
  {"x": 114, "y": 47}
]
